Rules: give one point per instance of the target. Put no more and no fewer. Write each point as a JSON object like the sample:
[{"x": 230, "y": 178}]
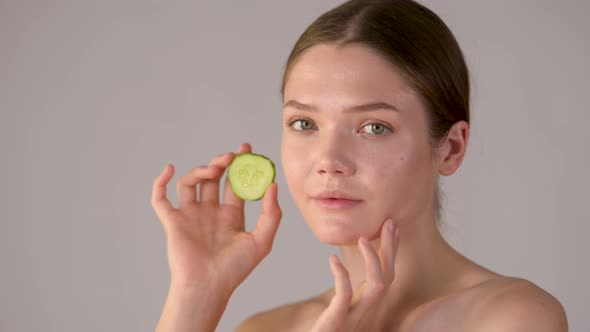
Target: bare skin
[
  {"x": 459, "y": 309},
  {"x": 391, "y": 175},
  {"x": 396, "y": 272}
]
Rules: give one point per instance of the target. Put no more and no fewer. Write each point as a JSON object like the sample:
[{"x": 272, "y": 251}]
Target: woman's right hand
[{"x": 206, "y": 239}]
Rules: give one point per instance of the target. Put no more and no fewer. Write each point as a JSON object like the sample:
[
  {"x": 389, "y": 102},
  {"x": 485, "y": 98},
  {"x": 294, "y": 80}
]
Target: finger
[
  {"x": 359, "y": 293},
  {"x": 342, "y": 285},
  {"x": 210, "y": 188},
  {"x": 334, "y": 315},
  {"x": 373, "y": 287},
  {"x": 395, "y": 248},
  {"x": 373, "y": 271},
  {"x": 186, "y": 187},
  {"x": 387, "y": 250},
  {"x": 160, "y": 202},
  {"x": 229, "y": 197},
  {"x": 268, "y": 222}
]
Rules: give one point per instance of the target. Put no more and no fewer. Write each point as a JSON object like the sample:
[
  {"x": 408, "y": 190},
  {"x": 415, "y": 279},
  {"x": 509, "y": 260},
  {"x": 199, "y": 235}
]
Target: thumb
[{"x": 268, "y": 222}]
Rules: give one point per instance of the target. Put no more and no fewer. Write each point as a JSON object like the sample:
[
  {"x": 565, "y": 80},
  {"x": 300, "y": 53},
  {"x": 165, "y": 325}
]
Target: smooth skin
[{"x": 409, "y": 279}]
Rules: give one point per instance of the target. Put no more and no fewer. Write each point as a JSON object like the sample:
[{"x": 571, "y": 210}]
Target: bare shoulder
[
  {"x": 268, "y": 320},
  {"x": 288, "y": 317},
  {"x": 515, "y": 304}
]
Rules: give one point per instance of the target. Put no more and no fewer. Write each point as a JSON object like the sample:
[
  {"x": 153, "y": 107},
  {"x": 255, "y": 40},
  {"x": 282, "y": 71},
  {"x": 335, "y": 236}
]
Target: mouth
[{"x": 336, "y": 203}]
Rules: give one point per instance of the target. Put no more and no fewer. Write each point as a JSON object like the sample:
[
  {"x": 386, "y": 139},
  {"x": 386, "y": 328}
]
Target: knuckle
[
  {"x": 379, "y": 285},
  {"x": 195, "y": 172},
  {"x": 157, "y": 185},
  {"x": 267, "y": 247},
  {"x": 159, "y": 211},
  {"x": 223, "y": 155},
  {"x": 198, "y": 170},
  {"x": 277, "y": 214},
  {"x": 265, "y": 250},
  {"x": 220, "y": 159},
  {"x": 215, "y": 168},
  {"x": 154, "y": 201},
  {"x": 346, "y": 293},
  {"x": 378, "y": 288},
  {"x": 157, "y": 205}
]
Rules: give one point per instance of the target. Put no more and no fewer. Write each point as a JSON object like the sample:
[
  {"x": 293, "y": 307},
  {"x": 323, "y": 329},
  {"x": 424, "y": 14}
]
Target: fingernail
[
  {"x": 364, "y": 241},
  {"x": 334, "y": 260},
  {"x": 391, "y": 226}
]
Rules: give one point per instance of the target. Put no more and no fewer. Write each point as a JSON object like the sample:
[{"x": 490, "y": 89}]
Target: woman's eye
[
  {"x": 301, "y": 124},
  {"x": 376, "y": 128}
]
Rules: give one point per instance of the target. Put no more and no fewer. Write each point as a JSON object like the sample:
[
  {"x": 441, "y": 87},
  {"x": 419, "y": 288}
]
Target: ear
[{"x": 452, "y": 151}]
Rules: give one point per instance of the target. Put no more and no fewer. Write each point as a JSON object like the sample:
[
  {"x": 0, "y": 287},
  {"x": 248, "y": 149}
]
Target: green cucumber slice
[{"x": 250, "y": 175}]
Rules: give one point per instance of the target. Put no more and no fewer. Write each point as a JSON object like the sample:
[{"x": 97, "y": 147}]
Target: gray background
[{"x": 96, "y": 97}]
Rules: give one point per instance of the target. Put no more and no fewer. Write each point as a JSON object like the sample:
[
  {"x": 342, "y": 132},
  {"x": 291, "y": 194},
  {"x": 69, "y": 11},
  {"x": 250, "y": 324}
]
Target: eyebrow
[{"x": 359, "y": 108}]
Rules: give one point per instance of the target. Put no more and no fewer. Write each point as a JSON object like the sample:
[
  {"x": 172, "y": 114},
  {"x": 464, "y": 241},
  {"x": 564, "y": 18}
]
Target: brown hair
[{"x": 416, "y": 41}]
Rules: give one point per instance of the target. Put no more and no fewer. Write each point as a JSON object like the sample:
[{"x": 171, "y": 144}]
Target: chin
[{"x": 335, "y": 230}]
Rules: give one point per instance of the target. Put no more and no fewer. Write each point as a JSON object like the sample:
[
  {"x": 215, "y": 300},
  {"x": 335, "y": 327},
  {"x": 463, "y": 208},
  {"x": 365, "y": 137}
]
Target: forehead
[{"x": 349, "y": 74}]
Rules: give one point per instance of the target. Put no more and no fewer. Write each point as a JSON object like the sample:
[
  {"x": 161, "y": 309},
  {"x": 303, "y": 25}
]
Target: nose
[
  {"x": 332, "y": 159},
  {"x": 333, "y": 167}
]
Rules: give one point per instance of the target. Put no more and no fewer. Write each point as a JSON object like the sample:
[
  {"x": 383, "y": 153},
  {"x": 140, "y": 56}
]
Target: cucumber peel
[{"x": 250, "y": 175}]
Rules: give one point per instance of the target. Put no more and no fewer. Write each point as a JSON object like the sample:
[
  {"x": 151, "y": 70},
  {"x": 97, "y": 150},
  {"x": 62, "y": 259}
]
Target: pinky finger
[
  {"x": 159, "y": 201},
  {"x": 336, "y": 312}
]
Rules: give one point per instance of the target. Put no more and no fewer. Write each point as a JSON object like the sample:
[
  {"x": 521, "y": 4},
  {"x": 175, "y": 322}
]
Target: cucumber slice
[{"x": 250, "y": 175}]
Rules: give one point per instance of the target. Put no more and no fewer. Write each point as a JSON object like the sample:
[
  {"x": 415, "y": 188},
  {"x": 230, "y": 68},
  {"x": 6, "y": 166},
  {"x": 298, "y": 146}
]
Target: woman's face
[{"x": 380, "y": 157}]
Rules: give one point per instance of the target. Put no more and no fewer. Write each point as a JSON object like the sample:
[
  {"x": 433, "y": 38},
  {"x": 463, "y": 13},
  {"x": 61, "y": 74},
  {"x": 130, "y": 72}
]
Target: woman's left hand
[{"x": 350, "y": 311}]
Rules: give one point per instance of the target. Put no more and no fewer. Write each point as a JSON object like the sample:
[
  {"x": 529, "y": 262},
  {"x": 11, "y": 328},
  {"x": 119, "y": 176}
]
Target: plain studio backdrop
[{"x": 97, "y": 97}]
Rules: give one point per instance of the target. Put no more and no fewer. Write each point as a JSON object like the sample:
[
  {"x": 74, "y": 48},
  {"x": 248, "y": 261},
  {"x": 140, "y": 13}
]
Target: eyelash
[{"x": 387, "y": 128}]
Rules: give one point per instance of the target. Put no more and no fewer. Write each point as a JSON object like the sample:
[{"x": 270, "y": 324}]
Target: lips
[
  {"x": 336, "y": 204},
  {"x": 335, "y": 194},
  {"x": 336, "y": 200}
]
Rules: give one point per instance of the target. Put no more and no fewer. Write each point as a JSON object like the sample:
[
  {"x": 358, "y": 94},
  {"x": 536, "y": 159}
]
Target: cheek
[
  {"x": 394, "y": 180},
  {"x": 292, "y": 158},
  {"x": 385, "y": 171},
  {"x": 403, "y": 184}
]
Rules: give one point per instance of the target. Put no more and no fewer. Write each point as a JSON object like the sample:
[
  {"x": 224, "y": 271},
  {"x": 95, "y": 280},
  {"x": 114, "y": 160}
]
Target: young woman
[{"x": 376, "y": 108}]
